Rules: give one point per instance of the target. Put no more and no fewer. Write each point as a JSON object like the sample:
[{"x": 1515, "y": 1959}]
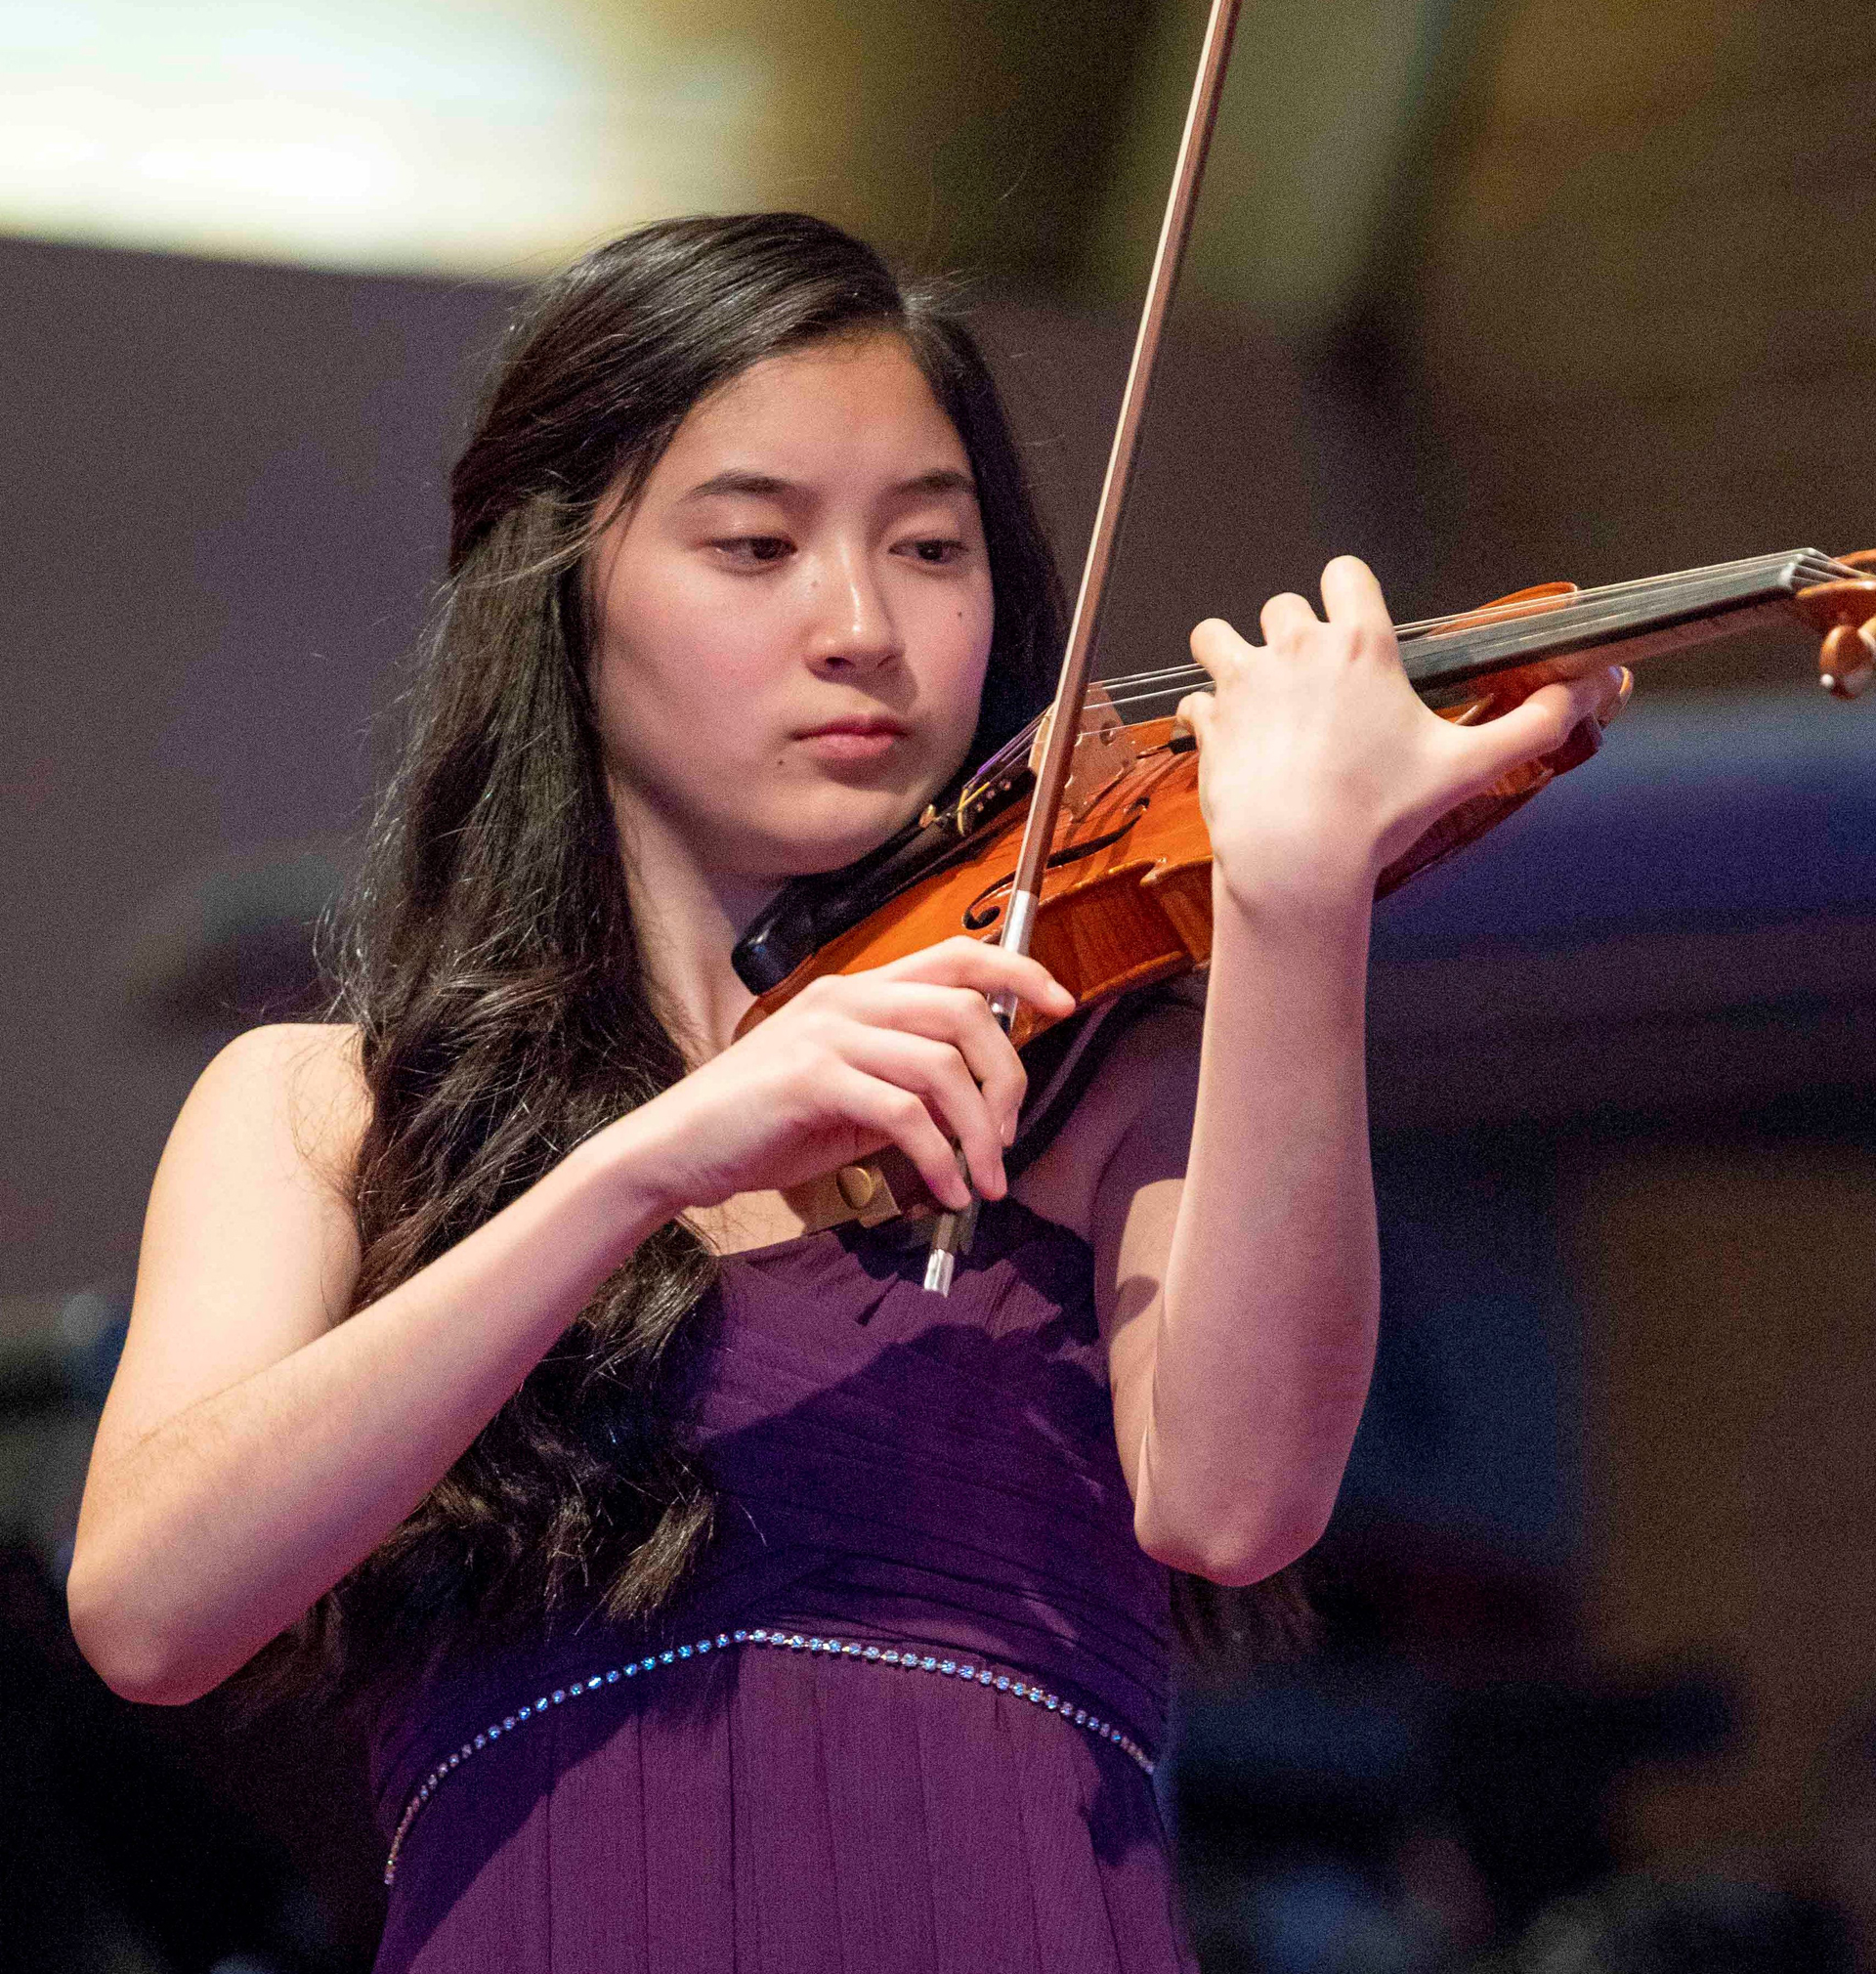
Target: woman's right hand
[{"x": 907, "y": 1054}]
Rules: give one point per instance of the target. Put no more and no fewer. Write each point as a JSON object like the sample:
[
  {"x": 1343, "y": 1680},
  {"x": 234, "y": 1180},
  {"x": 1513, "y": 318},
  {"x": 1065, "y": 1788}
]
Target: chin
[{"x": 833, "y": 836}]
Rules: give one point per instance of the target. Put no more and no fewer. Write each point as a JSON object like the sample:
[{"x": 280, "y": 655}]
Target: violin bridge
[{"x": 1103, "y": 752}]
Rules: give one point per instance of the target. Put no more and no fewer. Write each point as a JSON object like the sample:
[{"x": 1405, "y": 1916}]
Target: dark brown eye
[{"x": 754, "y": 548}]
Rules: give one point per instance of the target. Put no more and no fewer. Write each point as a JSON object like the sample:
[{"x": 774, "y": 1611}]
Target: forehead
[{"x": 853, "y": 408}]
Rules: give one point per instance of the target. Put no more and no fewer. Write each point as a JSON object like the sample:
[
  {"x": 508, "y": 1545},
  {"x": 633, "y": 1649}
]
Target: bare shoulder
[
  {"x": 1141, "y": 1100},
  {"x": 321, "y": 1058},
  {"x": 299, "y": 1083}
]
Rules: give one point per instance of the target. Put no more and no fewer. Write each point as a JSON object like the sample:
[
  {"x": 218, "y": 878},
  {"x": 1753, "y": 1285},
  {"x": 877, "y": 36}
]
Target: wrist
[
  {"x": 625, "y": 1168},
  {"x": 1298, "y": 953},
  {"x": 1328, "y": 886}
]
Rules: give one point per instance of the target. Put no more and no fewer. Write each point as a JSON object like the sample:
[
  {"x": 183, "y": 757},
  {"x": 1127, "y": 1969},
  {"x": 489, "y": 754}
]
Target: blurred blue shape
[
  {"x": 1318, "y": 1916},
  {"x": 1314, "y": 1728},
  {"x": 90, "y": 1329},
  {"x": 1468, "y": 1427},
  {"x": 1702, "y": 812}
]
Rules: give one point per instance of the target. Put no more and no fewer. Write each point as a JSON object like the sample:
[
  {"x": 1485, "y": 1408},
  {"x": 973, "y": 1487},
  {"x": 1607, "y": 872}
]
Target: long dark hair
[{"x": 489, "y": 959}]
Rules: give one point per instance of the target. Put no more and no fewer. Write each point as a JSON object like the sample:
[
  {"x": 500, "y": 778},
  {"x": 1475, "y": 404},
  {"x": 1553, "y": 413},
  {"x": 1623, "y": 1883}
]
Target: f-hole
[{"x": 986, "y": 908}]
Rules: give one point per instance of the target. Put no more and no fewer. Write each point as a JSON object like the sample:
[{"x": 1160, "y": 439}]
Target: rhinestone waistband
[{"x": 906, "y": 1659}]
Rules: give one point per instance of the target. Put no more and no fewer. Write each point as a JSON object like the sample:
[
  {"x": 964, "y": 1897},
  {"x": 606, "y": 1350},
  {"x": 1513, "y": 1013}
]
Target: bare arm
[
  {"x": 1218, "y": 1168},
  {"x": 1236, "y": 1243},
  {"x": 254, "y": 1445},
  {"x": 1227, "y": 1190}
]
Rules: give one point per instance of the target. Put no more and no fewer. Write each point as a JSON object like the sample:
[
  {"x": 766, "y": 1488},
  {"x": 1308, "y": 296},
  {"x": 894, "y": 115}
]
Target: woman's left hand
[{"x": 1318, "y": 763}]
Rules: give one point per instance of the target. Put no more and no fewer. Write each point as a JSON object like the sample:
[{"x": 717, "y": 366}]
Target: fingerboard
[{"x": 1614, "y": 625}]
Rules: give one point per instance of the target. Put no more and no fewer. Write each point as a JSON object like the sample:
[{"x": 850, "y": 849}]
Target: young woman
[{"x": 724, "y": 1599}]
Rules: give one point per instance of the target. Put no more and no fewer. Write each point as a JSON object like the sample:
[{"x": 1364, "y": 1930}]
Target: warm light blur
[{"x": 472, "y": 136}]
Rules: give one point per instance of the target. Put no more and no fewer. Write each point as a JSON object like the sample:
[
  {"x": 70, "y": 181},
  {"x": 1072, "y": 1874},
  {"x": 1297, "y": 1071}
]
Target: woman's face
[{"x": 792, "y": 617}]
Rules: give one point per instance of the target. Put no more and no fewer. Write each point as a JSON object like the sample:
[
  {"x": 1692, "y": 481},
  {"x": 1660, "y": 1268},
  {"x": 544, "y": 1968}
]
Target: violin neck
[{"x": 1448, "y": 658}]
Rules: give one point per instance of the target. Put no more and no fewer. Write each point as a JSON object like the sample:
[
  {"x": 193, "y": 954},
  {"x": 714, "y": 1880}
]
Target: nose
[{"x": 853, "y": 630}]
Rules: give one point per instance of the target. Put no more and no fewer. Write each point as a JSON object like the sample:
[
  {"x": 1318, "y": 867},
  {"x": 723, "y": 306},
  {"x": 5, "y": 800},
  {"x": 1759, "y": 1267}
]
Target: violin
[
  {"x": 1082, "y": 840},
  {"x": 1125, "y": 898}
]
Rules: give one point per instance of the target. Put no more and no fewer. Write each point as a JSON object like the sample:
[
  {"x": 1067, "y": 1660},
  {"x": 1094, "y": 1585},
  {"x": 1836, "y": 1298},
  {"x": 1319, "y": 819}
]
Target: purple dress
[{"x": 900, "y": 1718}]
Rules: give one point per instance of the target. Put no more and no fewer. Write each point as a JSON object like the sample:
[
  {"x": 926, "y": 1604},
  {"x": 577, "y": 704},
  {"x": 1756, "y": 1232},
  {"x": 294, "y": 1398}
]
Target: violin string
[
  {"x": 1569, "y": 608},
  {"x": 1169, "y": 678},
  {"x": 1510, "y": 610},
  {"x": 1583, "y": 611},
  {"x": 1604, "y": 627},
  {"x": 1609, "y": 591},
  {"x": 1824, "y": 568},
  {"x": 1568, "y": 603},
  {"x": 1578, "y": 621},
  {"x": 1589, "y": 609},
  {"x": 1199, "y": 683},
  {"x": 1484, "y": 614}
]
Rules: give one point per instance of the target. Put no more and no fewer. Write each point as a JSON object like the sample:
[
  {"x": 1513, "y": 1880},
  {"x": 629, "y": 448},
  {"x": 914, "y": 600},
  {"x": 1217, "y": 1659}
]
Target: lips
[
  {"x": 866, "y": 728},
  {"x": 853, "y": 742}
]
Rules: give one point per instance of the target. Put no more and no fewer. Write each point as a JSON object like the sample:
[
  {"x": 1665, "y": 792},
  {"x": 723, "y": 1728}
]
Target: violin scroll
[{"x": 1845, "y": 613}]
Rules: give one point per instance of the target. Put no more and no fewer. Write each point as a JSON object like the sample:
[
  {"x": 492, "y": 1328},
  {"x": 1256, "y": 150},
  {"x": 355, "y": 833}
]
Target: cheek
[
  {"x": 977, "y": 626},
  {"x": 668, "y": 674},
  {"x": 961, "y": 640}
]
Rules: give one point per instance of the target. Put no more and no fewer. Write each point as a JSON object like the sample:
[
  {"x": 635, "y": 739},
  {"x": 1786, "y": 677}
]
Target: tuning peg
[{"x": 1846, "y": 659}]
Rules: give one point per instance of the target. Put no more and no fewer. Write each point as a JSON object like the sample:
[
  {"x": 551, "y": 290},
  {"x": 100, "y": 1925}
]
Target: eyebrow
[{"x": 940, "y": 480}]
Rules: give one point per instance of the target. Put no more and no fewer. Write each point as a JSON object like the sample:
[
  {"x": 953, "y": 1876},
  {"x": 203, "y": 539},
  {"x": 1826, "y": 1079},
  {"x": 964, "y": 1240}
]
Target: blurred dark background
[{"x": 1488, "y": 291}]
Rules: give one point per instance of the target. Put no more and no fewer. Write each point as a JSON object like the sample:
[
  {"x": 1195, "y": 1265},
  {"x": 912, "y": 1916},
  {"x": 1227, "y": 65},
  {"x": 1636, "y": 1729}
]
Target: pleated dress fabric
[{"x": 897, "y": 1470}]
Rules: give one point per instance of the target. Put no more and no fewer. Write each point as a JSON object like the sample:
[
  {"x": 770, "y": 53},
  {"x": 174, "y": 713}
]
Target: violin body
[{"x": 1127, "y": 896}]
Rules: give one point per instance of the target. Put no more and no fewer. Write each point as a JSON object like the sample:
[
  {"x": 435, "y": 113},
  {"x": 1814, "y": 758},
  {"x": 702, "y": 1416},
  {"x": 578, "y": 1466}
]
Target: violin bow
[{"x": 950, "y": 1235}]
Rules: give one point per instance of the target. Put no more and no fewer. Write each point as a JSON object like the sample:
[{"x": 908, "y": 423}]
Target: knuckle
[
  {"x": 934, "y": 1062},
  {"x": 817, "y": 1028},
  {"x": 814, "y": 1063}
]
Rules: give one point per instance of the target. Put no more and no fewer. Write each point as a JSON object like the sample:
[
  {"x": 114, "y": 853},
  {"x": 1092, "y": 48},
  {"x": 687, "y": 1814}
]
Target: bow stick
[{"x": 951, "y": 1237}]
